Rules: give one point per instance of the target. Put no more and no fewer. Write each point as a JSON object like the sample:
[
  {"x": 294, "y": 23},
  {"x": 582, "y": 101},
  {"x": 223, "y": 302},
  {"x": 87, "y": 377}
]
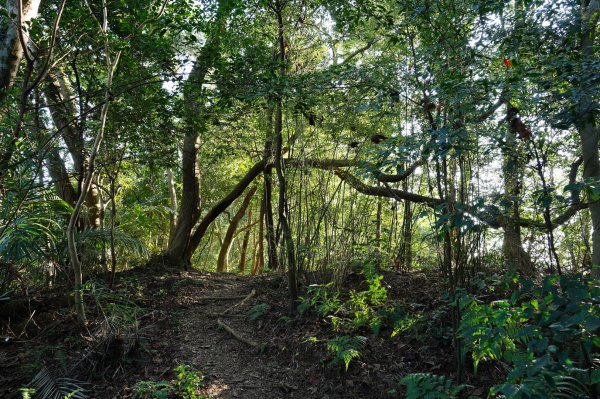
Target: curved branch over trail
[
  {"x": 489, "y": 218},
  {"x": 332, "y": 164},
  {"x": 386, "y": 191},
  {"x": 492, "y": 220}
]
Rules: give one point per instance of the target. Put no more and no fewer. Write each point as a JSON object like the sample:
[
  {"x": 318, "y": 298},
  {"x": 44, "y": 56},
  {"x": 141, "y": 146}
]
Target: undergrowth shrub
[
  {"x": 186, "y": 385},
  {"x": 48, "y": 384},
  {"x": 257, "y": 311},
  {"x": 547, "y": 333},
  {"x": 430, "y": 386},
  {"x": 345, "y": 349},
  {"x": 360, "y": 312},
  {"x": 321, "y": 298},
  {"x": 119, "y": 311}
]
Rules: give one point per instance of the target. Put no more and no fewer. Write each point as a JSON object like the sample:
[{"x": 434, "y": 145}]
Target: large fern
[
  {"x": 567, "y": 387},
  {"x": 345, "y": 349},
  {"x": 28, "y": 238}
]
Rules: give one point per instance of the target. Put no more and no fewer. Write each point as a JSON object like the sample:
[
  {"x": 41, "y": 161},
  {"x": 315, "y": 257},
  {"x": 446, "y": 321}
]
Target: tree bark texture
[
  {"x": 12, "y": 38},
  {"x": 172, "y": 204},
  {"x": 61, "y": 104},
  {"x": 515, "y": 256},
  {"x": 585, "y": 120},
  {"x": 268, "y": 193},
  {"x": 245, "y": 242}
]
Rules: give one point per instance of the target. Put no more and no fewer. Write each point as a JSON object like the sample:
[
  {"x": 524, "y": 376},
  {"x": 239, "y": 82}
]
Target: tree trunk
[
  {"x": 405, "y": 255},
  {"x": 378, "y": 224},
  {"x": 586, "y": 123},
  {"x": 245, "y": 241},
  {"x": 179, "y": 251},
  {"x": 60, "y": 177},
  {"x": 190, "y": 201},
  {"x": 283, "y": 205},
  {"x": 172, "y": 204},
  {"x": 259, "y": 257},
  {"x": 61, "y": 103},
  {"x": 113, "y": 219},
  {"x": 268, "y": 194},
  {"x": 54, "y": 162},
  {"x": 11, "y": 47},
  {"x": 93, "y": 205},
  {"x": 515, "y": 256},
  {"x": 223, "y": 261}
]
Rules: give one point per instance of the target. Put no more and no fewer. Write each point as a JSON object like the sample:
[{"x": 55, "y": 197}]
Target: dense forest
[{"x": 299, "y": 199}]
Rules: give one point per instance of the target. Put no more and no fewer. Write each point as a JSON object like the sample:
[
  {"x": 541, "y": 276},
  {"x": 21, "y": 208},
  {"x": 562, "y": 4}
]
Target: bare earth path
[
  {"x": 234, "y": 369},
  {"x": 283, "y": 366},
  {"x": 284, "y": 356}
]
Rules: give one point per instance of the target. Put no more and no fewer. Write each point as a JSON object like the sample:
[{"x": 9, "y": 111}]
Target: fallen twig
[{"x": 237, "y": 335}]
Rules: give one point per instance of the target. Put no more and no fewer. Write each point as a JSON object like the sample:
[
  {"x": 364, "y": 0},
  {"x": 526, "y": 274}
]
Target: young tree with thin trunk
[
  {"x": 112, "y": 60},
  {"x": 223, "y": 260}
]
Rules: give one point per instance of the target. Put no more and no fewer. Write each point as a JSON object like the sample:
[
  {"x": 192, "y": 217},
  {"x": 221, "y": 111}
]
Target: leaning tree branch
[
  {"x": 333, "y": 164},
  {"x": 385, "y": 178},
  {"x": 493, "y": 220},
  {"x": 223, "y": 204}
]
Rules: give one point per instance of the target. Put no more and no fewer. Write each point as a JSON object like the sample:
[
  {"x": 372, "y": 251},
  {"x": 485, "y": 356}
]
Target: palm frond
[
  {"x": 102, "y": 237},
  {"x": 48, "y": 385},
  {"x": 567, "y": 387},
  {"x": 28, "y": 237}
]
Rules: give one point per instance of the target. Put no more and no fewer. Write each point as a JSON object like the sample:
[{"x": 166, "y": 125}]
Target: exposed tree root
[
  {"x": 244, "y": 299},
  {"x": 222, "y": 298}
]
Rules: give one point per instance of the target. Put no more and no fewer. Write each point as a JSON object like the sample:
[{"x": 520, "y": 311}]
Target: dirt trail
[
  {"x": 281, "y": 367},
  {"x": 234, "y": 369},
  {"x": 290, "y": 360}
]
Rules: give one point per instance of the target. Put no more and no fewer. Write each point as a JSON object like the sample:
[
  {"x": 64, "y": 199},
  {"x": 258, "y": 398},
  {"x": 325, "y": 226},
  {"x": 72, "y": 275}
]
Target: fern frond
[
  {"x": 345, "y": 349},
  {"x": 257, "y": 311},
  {"x": 426, "y": 385}
]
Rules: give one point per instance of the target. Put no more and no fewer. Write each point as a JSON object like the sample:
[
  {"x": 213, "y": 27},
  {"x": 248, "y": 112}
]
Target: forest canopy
[{"x": 300, "y": 138}]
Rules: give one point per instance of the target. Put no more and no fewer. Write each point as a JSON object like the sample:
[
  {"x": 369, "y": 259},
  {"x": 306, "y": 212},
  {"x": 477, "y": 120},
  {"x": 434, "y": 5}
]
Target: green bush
[
  {"x": 547, "y": 333},
  {"x": 186, "y": 385},
  {"x": 322, "y": 299},
  {"x": 188, "y": 382},
  {"x": 152, "y": 390}
]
